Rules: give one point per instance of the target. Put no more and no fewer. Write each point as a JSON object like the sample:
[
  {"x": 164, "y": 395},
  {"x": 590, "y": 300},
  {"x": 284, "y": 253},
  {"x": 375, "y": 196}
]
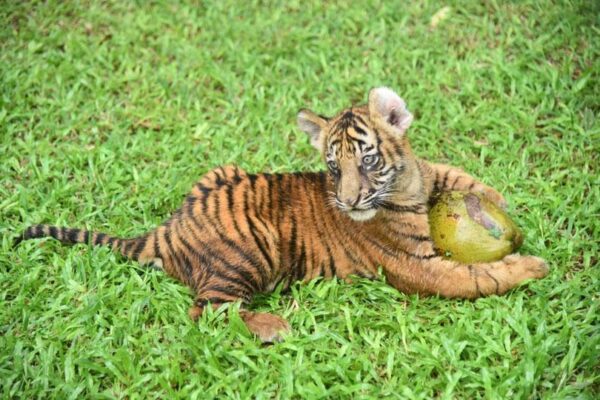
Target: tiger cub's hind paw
[{"x": 268, "y": 327}]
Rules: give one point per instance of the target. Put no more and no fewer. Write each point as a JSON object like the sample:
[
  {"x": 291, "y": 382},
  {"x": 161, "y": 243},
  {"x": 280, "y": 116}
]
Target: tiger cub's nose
[{"x": 351, "y": 201}]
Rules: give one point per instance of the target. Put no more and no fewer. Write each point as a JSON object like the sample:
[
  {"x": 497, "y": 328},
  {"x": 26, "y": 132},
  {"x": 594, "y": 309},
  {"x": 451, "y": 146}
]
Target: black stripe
[
  {"x": 301, "y": 264},
  {"x": 401, "y": 223},
  {"x": 217, "y": 205},
  {"x": 455, "y": 181},
  {"x": 247, "y": 279},
  {"x": 361, "y": 143},
  {"x": 254, "y": 177},
  {"x": 231, "y": 244},
  {"x": 436, "y": 183},
  {"x": 471, "y": 186},
  {"x": 259, "y": 244},
  {"x": 236, "y": 175},
  {"x": 141, "y": 242},
  {"x": 99, "y": 238},
  {"x": 474, "y": 277},
  {"x": 360, "y": 119},
  {"x": 203, "y": 204},
  {"x": 190, "y": 200},
  {"x": 86, "y": 237},
  {"x": 249, "y": 282},
  {"x": 203, "y": 189},
  {"x": 418, "y": 238},
  {"x": 332, "y": 267},
  {"x": 414, "y": 209},
  {"x": 335, "y": 142},
  {"x": 156, "y": 244},
  {"x": 421, "y": 257},
  {"x": 398, "y": 149},
  {"x": 241, "y": 272},
  {"x": 189, "y": 270},
  {"x": 359, "y": 130},
  {"x": 171, "y": 250},
  {"x": 243, "y": 285},
  {"x": 185, "y": 262},
  {"x": 72, "y": 235},
  {"x": 126, "y": 246},
  {"x": 230, "y": 207},
  {"x": 229, "y": 291},
  {"x": 54, "y": 232},
  {"x": 495, "y": 281},
  {"x": 393, "y": 254},
  {"x": 443, "y": 186},
  {"x": 292, "y": 241},
  {"x": 261, "y": 248},
  {"x": 219, "y": 181}
]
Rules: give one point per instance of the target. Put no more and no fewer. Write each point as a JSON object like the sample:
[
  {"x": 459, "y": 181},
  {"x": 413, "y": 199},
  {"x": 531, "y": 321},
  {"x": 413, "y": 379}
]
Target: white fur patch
[
  {"x": 362, "y": 215},
  {"x": 157, "y": 263}
]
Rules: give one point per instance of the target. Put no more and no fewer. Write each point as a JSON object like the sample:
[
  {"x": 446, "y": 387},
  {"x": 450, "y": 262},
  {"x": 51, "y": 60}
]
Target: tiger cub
[{"x": 238, "y": 234}]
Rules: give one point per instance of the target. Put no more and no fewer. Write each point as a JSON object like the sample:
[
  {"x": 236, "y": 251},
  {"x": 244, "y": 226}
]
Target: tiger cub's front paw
[{"x": 526, "y": 267}]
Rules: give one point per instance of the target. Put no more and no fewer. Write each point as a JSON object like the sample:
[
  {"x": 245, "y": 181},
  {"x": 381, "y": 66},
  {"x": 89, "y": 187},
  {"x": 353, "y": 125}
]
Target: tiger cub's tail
[{"x": 135, "y": 248}]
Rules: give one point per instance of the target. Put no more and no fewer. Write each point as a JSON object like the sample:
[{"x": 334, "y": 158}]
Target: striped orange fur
[{"x": 238, "y": 234}]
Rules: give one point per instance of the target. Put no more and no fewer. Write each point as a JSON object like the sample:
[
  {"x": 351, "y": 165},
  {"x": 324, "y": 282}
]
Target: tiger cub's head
[{"x": 367, "y": 153}]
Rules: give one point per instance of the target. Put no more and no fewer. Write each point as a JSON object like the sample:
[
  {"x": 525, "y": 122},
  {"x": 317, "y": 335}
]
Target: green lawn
[{"x": 109, "y": 113}]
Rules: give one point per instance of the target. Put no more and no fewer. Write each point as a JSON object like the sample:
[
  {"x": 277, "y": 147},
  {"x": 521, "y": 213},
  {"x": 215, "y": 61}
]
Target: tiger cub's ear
[
  {"x": 386, "y": 104},
  {"x": 313, "y": 125}
]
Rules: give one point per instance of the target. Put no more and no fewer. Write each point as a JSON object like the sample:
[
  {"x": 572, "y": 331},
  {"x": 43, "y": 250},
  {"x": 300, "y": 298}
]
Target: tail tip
[
  {"x": 26, "y": 234},
  {"x": 18, "y": 240}
]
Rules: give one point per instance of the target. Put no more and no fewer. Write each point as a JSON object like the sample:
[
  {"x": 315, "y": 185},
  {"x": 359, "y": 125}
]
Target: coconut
[{"x": 467, "y": 227}]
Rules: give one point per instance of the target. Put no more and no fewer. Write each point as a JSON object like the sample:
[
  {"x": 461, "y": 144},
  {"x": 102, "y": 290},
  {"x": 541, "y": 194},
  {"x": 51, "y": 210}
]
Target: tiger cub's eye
[
  {"x": 332, "y": 165},
  {"x": 370, "y": 160}
]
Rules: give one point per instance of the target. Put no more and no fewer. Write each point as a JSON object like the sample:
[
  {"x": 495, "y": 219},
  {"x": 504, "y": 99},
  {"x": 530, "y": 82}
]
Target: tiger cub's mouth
[{"x": 362, "y": 215}]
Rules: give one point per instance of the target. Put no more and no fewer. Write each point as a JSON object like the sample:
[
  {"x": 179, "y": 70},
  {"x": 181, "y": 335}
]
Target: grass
[{"x": 110, "y": 111}]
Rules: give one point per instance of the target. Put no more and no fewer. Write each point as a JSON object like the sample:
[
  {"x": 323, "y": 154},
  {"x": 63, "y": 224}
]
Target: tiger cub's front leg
[{"x": 446, "y": 178}]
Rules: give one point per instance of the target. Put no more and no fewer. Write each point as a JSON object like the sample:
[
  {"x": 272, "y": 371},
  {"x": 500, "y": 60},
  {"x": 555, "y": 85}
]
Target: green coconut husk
[{"x": 469, "y": 228}]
